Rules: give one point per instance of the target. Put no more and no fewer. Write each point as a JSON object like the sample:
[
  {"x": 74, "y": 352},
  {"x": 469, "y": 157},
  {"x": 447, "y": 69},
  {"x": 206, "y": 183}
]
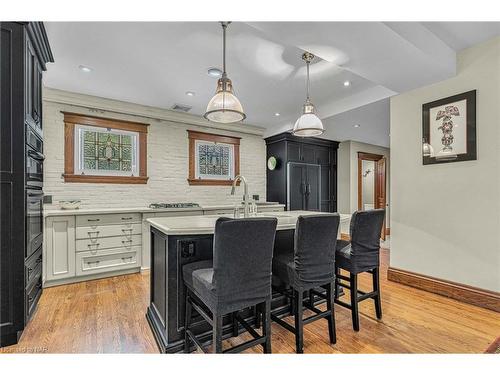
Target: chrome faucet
[{"x": 246, "y": 207}]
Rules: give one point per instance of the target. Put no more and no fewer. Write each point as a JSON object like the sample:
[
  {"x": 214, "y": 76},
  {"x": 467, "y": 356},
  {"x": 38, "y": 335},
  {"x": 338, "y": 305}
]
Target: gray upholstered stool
[
  {"x": 360, "y": 254},
  {"x": 310, "y": 265},
  {"x": 238, "y": 277}
]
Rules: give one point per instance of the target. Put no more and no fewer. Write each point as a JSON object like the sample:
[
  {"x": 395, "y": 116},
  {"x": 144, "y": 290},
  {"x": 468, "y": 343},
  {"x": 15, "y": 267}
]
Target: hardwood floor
[{"x": 108, "y": 316}]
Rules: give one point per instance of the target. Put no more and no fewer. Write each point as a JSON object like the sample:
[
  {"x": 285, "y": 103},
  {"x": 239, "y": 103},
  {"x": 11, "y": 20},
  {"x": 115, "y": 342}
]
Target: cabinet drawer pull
[
  {"x": 96, "y": 262},
  {"x": 93, "y": 219},
  {"x": 127, "y": 241},
  {"x": 94, "y": 232},
  {"x": 127, "y": 218},
  {"x": 30, "y": 269},
  {"x": 125, "y": 259},
  {"x": 127, "y": 230},
  {"x": 30, "y": 299},
  {"x": 93, "y": 244},
  {"x": 39, "y": 260}
]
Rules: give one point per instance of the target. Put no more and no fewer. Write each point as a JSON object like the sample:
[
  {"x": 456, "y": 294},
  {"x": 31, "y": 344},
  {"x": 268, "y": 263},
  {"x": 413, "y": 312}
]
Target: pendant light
[
  {"x": 309, "y": 124},
  {"x": 224, "y": 107}
]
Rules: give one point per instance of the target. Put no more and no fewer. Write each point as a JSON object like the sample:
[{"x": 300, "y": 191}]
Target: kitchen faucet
[{"x": 246, "y": 211}]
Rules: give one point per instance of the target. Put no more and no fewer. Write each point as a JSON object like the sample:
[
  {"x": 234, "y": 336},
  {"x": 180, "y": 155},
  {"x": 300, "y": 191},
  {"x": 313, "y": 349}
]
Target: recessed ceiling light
[
  {"x": 190, "y": 93},
  {"x": 347, "y": 83},
  {"x": 277, "y": 114},
  {"x": 215, "y": 72},
  {"x": 85, "y": 69},
  {"x": 357, "y": 125}
]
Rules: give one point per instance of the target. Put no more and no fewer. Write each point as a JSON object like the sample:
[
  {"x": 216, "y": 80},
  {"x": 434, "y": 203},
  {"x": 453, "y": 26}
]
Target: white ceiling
[{"x": 155, "y": 63}]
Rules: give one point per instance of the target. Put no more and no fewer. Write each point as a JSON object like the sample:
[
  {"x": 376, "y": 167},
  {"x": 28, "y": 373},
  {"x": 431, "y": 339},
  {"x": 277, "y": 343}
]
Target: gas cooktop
[{"x": 174, "y": 205}]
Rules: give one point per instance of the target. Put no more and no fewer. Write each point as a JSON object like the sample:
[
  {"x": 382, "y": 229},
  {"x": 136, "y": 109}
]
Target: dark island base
[{"x": 165, "y": 313}]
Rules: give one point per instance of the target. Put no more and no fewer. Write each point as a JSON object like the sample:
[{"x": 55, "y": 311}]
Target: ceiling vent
[{"x": 181, "y": 108}]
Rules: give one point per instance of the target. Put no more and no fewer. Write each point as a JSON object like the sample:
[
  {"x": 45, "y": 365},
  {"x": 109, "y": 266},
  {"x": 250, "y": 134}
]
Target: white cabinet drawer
[
  {"x": 269, "y": 209},
  {"x": 125, "y": 242},
  {"x": 88, "y": 263},
  {"x": 100, "y": 231},
  {"x": 219, "y": 212},
  {"x": 95, "y": 220}
]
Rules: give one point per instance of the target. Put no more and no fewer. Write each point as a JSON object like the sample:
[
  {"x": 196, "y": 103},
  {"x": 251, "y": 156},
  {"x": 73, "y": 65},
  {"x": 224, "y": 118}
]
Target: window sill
[
  {"x": 105, "y": 179},
  {"x": 196, "y": 181}
]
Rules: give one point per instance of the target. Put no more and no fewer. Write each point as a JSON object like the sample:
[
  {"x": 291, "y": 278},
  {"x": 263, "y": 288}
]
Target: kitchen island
[{"x": 181, "y": 240}]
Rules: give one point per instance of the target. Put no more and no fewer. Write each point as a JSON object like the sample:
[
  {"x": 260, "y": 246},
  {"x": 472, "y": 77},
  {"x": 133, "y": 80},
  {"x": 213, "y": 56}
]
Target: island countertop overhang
[{"x": 192, "y": 225}]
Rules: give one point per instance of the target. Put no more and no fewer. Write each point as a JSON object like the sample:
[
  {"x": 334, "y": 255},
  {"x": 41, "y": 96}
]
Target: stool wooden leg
[
  {"x": 331, "y": 317},
  {"x": 299, "y": 323},
  {"x": 217, "y": 334},
  {"x": 235, "y": 324},
  {"x": 266, "y": 327},
  {"x": 258, "y": 316},
  {"x": 337, "y": 272},
  {"x": 354, "y": 301},
  {"x": 376, "y": 287},
  {"x": 187, "y": 322}
]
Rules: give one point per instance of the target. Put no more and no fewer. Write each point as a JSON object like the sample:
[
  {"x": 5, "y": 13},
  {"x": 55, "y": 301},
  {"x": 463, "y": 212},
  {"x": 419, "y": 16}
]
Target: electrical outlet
[{"x": 188, "y": 249}]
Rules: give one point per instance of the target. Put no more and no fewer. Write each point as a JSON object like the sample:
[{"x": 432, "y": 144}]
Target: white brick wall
[{"x": 167, "y": 165}]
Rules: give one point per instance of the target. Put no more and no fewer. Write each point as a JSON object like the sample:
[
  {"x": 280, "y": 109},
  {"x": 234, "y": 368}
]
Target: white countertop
[
  {"x": 94, "y": 211},
  {"x": 205, "y": 224}
]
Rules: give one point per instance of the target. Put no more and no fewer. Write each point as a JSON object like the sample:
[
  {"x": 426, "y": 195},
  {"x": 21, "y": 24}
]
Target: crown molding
[{"x": 121, "y": 107}]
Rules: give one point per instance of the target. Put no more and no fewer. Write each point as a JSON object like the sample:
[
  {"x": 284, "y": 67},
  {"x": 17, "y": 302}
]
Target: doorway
[{"x": 372, "y": 183}]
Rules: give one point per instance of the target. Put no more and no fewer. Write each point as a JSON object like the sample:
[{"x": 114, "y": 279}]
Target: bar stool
[
  {"x": 360, "y": 254},
  {"x": 310, "y": 265},
  {"x": 238, "y": 277}
]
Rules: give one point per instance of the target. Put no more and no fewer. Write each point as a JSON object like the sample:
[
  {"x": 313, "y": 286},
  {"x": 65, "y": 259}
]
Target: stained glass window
[
  {"x": 214, "y": 160},
  {"x": 106, "y": 151}
]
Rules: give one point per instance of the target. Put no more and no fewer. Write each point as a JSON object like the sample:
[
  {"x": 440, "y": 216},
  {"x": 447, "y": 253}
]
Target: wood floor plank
[{"x": 108, "y": 316}]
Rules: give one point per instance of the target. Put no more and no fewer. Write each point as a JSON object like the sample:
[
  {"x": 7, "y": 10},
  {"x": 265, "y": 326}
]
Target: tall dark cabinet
[
  {"x": 24, "y": 53},
  {"x": 305, "y": 177}
]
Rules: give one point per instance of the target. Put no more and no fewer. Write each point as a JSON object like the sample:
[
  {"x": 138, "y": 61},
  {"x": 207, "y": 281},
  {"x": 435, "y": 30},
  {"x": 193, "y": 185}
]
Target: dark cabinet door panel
[
  {"x": 308, "y": 154},
  {"x": 296, "y": 187},
  {"x": 322, "y": 155},
  {"x": 293, "y": 151},
  {"x": 313, "y": 188}
]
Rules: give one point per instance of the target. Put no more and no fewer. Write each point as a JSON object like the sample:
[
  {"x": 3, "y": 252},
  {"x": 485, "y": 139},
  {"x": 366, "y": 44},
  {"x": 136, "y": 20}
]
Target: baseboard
[
  {"x": 461, "y": 292},
  {"x": 97, "y": 276}
]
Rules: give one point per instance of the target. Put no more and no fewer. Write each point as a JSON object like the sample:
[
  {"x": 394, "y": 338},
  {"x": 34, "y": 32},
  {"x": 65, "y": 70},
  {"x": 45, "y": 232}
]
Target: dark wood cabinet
[
  {"x": 24, "y": 53},
  {"x": 306, "y": 174}
]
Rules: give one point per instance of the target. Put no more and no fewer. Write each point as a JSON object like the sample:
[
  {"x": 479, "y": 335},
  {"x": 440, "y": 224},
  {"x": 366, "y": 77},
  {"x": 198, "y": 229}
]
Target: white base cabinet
[
  {"x": 60, "y": 247},
  {"x": 88, "y": 246}
]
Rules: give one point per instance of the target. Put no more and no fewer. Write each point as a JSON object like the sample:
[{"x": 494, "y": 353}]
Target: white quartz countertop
[
  {"x": 188, "y": 225},
  {"x": 96, "y": 211}
]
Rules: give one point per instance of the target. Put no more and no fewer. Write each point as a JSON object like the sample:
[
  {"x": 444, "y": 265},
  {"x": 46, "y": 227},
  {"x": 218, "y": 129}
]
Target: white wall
[
  {"x": 347, "y": 166},
  {"x": 167, "y": 158},
  {"x": 446, "y": 217}
]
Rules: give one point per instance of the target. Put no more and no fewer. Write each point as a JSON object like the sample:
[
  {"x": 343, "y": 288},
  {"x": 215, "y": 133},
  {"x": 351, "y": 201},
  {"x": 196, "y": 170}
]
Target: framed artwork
[
  {"x": 449, "y": 128},
  {"x": 213, "y": 159}
]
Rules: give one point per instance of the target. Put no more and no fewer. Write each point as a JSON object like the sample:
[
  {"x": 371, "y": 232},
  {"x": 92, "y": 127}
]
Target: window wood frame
[
  {"x": 72, "y": 119},
  {"x": 194, "y": 136}
]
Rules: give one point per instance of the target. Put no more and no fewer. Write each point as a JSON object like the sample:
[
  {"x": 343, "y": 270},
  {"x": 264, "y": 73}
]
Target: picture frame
[{"x": 449, "y": 129}]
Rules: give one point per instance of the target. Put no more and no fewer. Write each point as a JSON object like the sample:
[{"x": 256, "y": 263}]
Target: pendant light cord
[
  {"x": 307, "y": 86},
  {"x": 224, "y": 27}
]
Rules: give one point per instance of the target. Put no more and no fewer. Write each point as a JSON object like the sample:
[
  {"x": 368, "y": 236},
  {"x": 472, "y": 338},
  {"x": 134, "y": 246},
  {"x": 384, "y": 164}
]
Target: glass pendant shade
[
  {"x": 308, "y": 125},
  {"x": 224, "y": 107}
]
